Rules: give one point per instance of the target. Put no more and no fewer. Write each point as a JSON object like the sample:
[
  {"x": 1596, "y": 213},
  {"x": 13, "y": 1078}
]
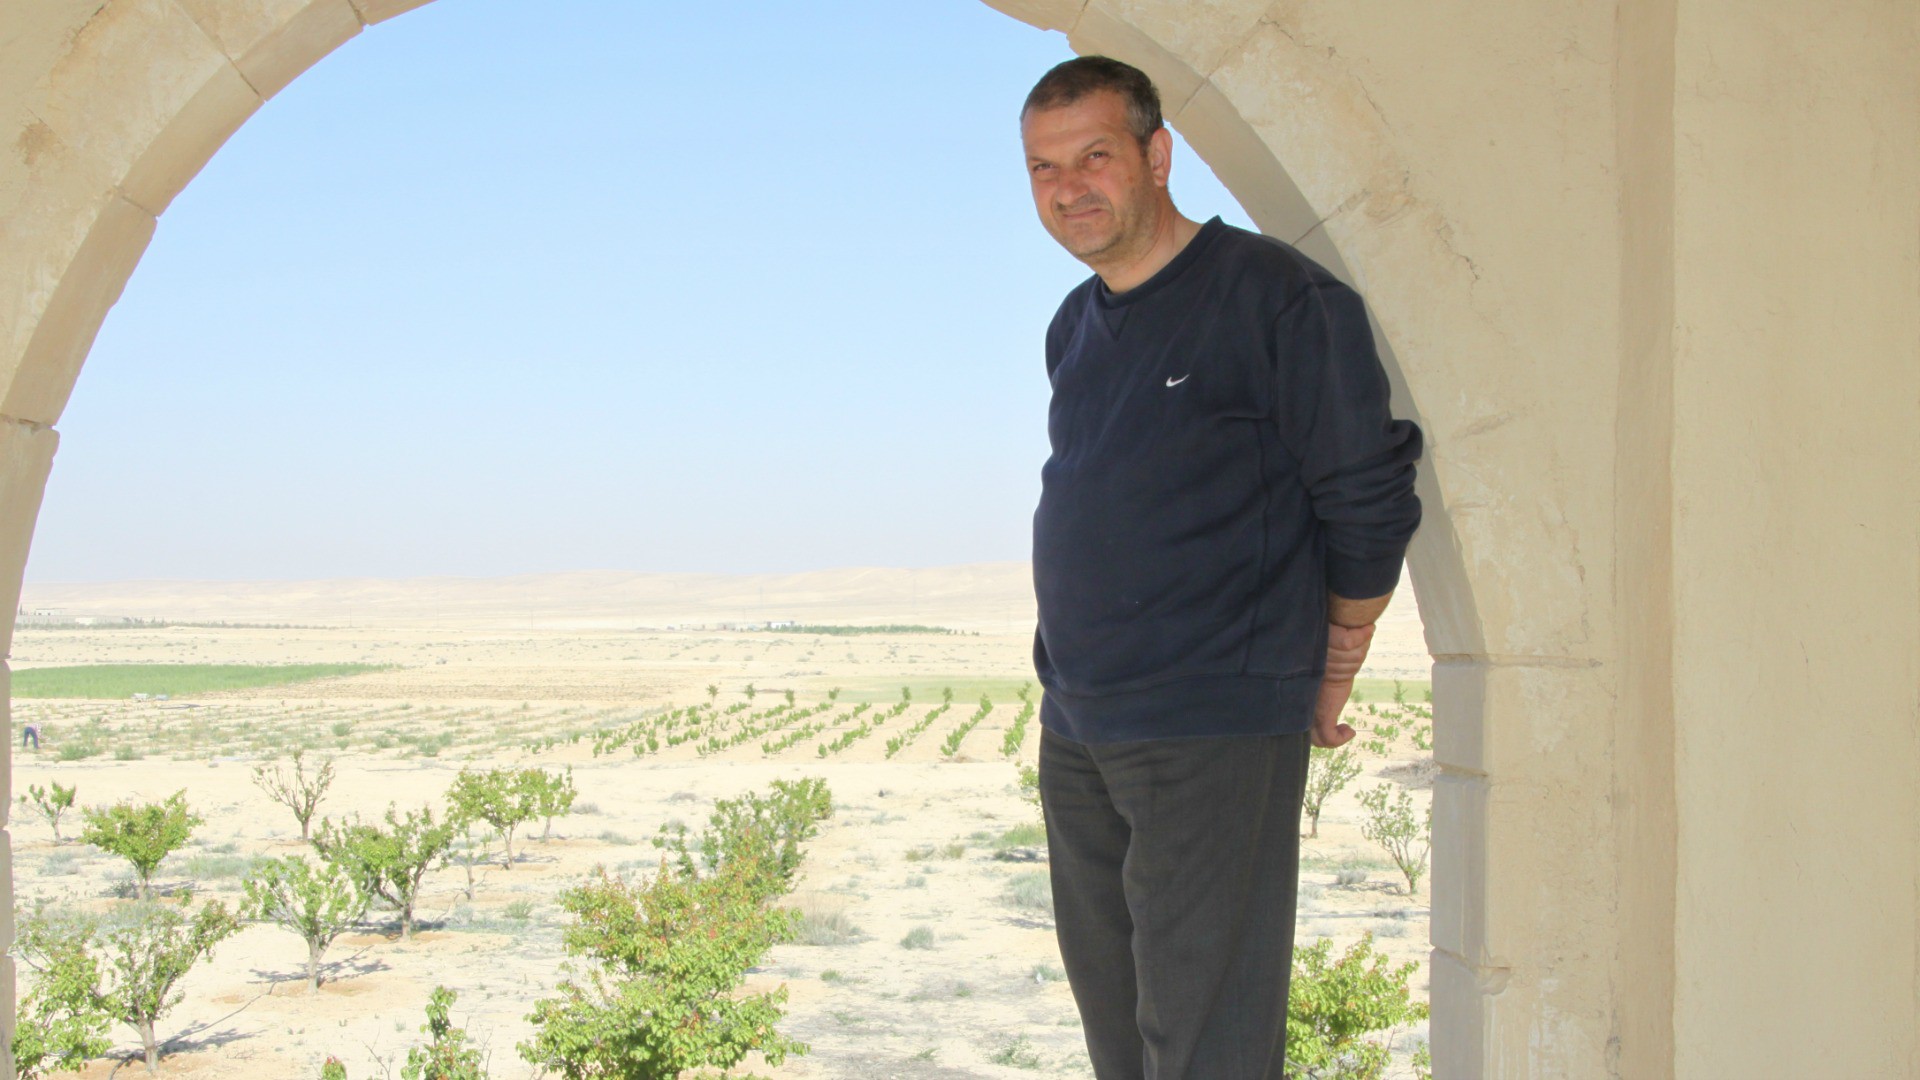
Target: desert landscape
[{"x": 926, "y": 946}]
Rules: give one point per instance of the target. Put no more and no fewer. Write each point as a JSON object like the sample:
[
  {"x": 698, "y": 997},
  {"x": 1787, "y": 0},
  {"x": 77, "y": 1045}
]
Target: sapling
[
  {"x": 146, "y": 956},
  {"x": 61, "y": 1022},
  {"x": 316, "y": 903},
  {"x": 553, "y": 794},
  {"x": 447, "y": 1056},
  {"x": 1333, "y": 1002},
  {"x": 502, "y": 798},
  {"x": 143, "y": 834},
  {"x": 1327, "y": 772},
  {"x": 296, "y": 791},
  {"x": 388, "y": 862},
  {"x": 1390, "y": 822},
  {"x": 50, "y": 805}
]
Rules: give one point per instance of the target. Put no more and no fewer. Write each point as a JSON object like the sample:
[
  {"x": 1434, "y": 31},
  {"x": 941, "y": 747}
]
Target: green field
[{"x": 125, "y": 680}]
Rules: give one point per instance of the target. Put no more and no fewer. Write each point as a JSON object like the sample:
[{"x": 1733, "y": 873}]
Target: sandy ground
[{"x": 912, "y": 843}]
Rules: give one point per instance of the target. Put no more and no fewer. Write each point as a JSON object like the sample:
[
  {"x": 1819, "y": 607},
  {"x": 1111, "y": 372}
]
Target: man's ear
[{"x": 1160, "y": 155}]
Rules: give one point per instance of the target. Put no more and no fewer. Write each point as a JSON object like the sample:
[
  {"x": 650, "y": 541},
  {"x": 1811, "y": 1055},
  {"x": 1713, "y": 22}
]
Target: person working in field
[{"x": 1222, "y": 519}]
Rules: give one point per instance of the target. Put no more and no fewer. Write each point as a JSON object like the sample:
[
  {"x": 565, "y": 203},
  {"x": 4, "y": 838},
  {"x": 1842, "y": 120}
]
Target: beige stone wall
[{"x": 1647, "y": 273}]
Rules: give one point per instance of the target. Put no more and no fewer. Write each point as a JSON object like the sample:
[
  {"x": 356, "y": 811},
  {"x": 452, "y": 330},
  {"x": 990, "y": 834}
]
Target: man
[{"x": 1223, "y": 517}]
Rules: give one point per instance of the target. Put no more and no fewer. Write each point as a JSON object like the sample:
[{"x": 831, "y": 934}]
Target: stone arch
[{"x": 115, "y": 106}]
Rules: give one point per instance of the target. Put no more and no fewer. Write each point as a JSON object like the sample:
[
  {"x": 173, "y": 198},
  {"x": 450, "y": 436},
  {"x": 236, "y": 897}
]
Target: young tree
[
  {"x": 50, "y": 805},
  {"x": 1327, "y": 772},
  {"x": 296, "y": 791},
  {"x": 499, "y": 797},
  {"x": 790, "y": 696},
  {"x": 1391, "y": 824},
  {"x": 834, "y": 694},
  {"x": 553, "y": 794},
  {"x": 388, "y": 862},
  {"x": 142, "y": 834},
  {"x": 713, "y": 693},
  {"x": 750, "y": 691},
  {"x": 61, "y": 1022},
  {"x": 662, "y": 992},
  {"x": 1332, "y": 1003},
  {"x": 148, "y": 954},
  {"x": 468, "y": 851},
  {"x": 447, "y": 1056},
  {"x": 317, "y": 903}
]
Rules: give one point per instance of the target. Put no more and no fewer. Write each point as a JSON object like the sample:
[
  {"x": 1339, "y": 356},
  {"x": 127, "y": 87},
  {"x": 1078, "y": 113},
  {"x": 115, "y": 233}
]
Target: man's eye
[{"x": 1096, "y": 155}]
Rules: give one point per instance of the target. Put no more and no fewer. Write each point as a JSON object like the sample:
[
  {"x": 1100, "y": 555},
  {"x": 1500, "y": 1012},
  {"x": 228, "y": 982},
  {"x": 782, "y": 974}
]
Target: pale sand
[{"x": 566, "y": 647}]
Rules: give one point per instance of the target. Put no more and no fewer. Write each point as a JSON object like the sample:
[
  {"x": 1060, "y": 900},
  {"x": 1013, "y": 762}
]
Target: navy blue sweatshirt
[{"x": 1222, "y": 458}]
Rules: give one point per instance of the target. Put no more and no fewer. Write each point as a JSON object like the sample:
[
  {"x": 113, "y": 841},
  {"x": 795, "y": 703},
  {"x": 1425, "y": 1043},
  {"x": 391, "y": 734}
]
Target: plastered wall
[{"x": 1647, "y": 273}]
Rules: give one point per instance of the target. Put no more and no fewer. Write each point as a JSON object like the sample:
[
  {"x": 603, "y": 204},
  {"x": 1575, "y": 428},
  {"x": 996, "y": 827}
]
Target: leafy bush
[
  {"x": 388, "y": 862},
  {"x": 446, "y": 1055},
  {"x": 317, "y": 904},
  {"x": 660, "y": 993},
  {"x": 1327, "y": 772},
  {"x": 61, "y": 1022},
  {"x": 1332, "y": 1003},
  {"x": 503, "y": 798},
  {"x": 143, "y": 834},
  {"x": 1391, "y": 824},
  {"x": 920, "y": 937},
  {"x": 51, "y": 805},
  {"x": 145, "y": 955}
]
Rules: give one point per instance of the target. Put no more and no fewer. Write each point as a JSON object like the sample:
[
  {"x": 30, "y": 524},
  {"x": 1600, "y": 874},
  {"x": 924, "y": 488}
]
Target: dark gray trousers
[{"x": 1174, "y": 865}]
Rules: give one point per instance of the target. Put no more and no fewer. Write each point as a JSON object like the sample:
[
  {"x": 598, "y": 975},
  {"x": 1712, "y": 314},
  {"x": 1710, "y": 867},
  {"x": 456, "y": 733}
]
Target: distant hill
[{"x": 992, "y": 598}]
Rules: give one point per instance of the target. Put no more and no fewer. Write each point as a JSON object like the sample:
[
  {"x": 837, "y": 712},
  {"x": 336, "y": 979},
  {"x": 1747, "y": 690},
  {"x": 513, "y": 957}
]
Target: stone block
[
  {"x": 238, "y": 27},
  {"x": 89, "y": 285},
  {"x": 1101, "y": 32},
  {"x": 1458, "y": 889},
  {"x": 297, "y": 44},
  {"x": 1245, "y": 164},
  {"x": 1538, "y": 723},
  {"x": 1200, "y": 33},
  {"x": 129, "y": 71},
  {"x": 373, "y": 11},
  {"x": 178, "y": 153},
  {"x": 1044, "y": 14},
  {"x": 6, "y": 754},
  {"x": 26, "y": 456},
  {"x": 1458, "y": 1023},
  {"x": 8, "y": 1001}
]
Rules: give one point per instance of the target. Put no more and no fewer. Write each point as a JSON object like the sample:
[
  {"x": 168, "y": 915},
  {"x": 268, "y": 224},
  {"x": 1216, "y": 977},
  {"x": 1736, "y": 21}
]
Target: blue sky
[{"x": 486, "y": 293}]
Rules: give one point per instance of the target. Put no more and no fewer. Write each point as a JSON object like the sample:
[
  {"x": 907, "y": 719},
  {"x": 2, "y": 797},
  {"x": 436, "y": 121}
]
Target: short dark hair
[{"x": 1068, "y": 82}]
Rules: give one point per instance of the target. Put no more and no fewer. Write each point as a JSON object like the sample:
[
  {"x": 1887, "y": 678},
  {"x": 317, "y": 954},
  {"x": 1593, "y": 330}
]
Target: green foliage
[
  {"x": 296, "y": 790},
  {"x": 1423, "y": 737},
  {"x": 143, "y": 833},
  {"x": 920, "y": 937},
  {"x": 447, "y": 1055},
  {"x": 503, "y": 798},
  {"x": 1399, "y": 692},
  {"x": 126, "y": 680},
  {"x": 553, "y": 794},
  {"x": 1327, "y": 772},
  {"x": 333, "y": 1069},
  {"x": 764, "y": 831},
  {"x": 145, "y": 955},
  {"x": 388, "y": 862},
  {"x": 51, "y": 805},
  {"x": 1030, "y": 785},
  {"x": 1332, "y": 1003},
  {"x": 1018, "y": 1052},
  {"x": 1390, "y": 822},
  {"x": 61, "y": 1022},
  {"x": 317, "y": 903},
  {"x": 657, "y": 990}
]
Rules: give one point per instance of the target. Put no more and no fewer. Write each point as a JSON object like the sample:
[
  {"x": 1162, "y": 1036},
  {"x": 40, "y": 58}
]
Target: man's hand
[{"x": 1346, "y": 651}]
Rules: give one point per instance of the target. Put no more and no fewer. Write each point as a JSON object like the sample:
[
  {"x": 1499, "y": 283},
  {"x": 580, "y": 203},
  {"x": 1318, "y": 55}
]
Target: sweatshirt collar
[{"x": 1162, "y": 277}]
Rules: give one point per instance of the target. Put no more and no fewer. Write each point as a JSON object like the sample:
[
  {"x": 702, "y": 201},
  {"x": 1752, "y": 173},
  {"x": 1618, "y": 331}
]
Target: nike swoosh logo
[{"x": 1171, "y": 381}]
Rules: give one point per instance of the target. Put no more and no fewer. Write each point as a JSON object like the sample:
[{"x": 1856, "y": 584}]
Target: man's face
[{"x": 1097, "y": 189}]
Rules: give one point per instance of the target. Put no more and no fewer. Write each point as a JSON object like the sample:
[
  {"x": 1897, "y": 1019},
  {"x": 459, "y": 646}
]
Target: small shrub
[
  {"x": 1390, "y": 822},
  {"x": 920, "y": 937},
  {"x": 1018, "y": 1052},
  {"x": 1031, "y": 891},
  {"x": 1333, "y": 1003},
  {"x": 824, "y": 922},
  {"x": 143, "y": 834},
  {"x": 1349, "y": 877},
  {"x": 518, "y": 910},
  {"x": 447, "y": 1055},
  {"x": 52, "y": 804}
]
